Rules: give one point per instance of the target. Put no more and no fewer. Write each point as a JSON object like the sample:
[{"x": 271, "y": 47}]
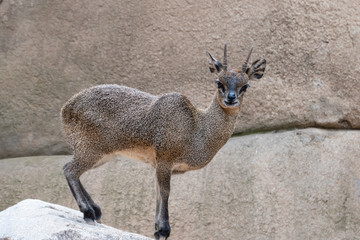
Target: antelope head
[{"x": 232, "y": 84}]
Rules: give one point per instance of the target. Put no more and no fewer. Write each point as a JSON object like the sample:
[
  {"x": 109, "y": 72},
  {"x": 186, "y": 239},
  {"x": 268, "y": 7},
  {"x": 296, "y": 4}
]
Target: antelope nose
[{"x": 231, "y": 96}]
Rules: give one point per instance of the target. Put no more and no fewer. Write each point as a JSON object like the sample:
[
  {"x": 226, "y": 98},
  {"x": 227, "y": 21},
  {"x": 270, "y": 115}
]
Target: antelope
[{"x": 165, "y": 131}]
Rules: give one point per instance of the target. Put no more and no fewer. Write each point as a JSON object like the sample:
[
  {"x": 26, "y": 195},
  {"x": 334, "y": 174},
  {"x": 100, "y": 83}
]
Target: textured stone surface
[
  {"x": 35, "y": 219},
  {"x": 300, "y": 184},
  {"x": 51, "y": 50}
]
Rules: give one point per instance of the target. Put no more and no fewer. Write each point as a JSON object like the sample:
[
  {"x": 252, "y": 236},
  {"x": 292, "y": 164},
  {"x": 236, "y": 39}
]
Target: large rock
[
  {"x": 51, "y": 50},
  {"x": 35, "y": 219},
  {"x": 300, "y": 184}
]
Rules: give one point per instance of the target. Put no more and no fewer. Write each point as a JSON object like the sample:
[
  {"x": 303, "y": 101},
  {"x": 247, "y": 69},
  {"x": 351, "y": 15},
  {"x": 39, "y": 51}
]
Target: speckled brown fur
[{"x": 166, "y": 131}]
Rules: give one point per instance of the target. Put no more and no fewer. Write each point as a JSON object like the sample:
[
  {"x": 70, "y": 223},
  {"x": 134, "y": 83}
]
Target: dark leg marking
[
  {"x": 162, "y": 226},
  {"x": 95, "y": 207},
  {"x": 72, "y": 172}
]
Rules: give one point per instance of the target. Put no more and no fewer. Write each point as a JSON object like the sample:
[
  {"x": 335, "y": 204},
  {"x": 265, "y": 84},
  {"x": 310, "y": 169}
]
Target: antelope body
[{"x": 165, "y": 131}]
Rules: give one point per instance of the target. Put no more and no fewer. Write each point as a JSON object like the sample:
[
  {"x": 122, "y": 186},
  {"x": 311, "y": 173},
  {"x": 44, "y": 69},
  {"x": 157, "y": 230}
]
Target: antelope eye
[
  {"x": 220, "y": 86},
  {"x": 243, "y": 88}
]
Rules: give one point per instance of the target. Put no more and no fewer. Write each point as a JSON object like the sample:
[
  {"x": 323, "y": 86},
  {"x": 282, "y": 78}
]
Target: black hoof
[
  {"x": 162, "y": 231},
  {"x": 89, "y": 213},
  {"x": 97, "y": 211}
]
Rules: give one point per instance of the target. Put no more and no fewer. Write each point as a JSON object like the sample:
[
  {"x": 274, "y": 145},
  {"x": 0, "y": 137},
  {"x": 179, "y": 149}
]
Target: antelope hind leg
[{"x": 72, "y": 172}]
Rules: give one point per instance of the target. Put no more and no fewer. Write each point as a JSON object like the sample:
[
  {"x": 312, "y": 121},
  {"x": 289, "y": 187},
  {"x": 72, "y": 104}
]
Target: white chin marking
[{"x": 231, "y": 106}]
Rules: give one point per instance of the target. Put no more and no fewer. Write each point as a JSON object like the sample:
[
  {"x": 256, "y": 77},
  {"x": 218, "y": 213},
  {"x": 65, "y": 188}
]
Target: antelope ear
[
  {"x": 257, "y": 69},
  {"x": 214, "y": 65}
]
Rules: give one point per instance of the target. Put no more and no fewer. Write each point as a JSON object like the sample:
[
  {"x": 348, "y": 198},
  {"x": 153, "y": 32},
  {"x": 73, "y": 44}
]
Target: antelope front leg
[{"x": 162, "y": 226}]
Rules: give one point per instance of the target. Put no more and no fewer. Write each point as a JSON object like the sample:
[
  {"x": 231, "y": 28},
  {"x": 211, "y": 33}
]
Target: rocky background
[
  {"x": 292, "y": 184},
  {"x": 301, "y": 184},
  {"x": 50, "y": 50}
]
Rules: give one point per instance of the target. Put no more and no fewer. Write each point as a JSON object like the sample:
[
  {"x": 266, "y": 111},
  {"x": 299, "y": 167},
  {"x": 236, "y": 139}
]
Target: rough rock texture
[
  {"x": 51, "y": 50},
  {"x": 300, "y": 184},
  {"x": 35, "y": 219}
]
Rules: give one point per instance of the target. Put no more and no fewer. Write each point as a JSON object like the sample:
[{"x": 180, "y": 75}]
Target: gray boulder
[{"x": 35, "y": 219}]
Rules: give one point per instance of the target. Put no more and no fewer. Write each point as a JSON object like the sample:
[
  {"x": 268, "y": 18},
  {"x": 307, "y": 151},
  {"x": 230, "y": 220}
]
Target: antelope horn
[
  {"x": 225, "y": 58},
  {"x": 244, "y": 67}
]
